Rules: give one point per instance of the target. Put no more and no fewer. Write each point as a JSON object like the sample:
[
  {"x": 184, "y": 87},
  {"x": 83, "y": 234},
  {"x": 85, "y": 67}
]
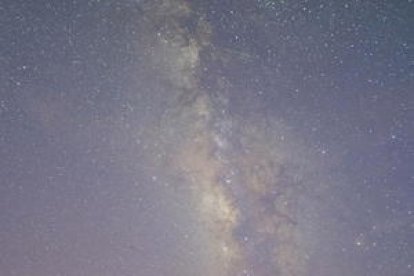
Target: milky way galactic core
[{"x": 245, "y": 180}]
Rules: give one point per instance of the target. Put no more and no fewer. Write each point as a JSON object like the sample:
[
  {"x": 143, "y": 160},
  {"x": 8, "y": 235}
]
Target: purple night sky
[{"x": 206, "y": 137}]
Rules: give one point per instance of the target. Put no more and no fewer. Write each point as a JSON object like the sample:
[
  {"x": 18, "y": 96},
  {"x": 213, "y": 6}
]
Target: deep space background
[{"x": 211, "y": 138}]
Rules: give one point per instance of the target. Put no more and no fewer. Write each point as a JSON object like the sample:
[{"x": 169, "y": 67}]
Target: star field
[{"x": 213, "y": 138}]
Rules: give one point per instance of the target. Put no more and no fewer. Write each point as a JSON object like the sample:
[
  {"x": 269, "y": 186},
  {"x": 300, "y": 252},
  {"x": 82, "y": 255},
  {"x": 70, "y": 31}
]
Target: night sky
[{"x": 206, "y": 137}]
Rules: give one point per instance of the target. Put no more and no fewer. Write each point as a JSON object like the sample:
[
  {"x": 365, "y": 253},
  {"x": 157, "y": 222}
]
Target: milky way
[{"x": 244, "y": 185}]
